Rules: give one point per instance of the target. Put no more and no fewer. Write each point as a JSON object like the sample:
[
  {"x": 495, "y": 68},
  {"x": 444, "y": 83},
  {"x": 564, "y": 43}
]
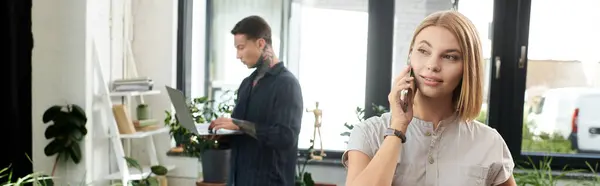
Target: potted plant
[
  {"x": 304, "y": 178},
  {"x": 149, "y": 180},
  {"x": 35, "y": 178},
  {"x": 213, "y": 154},
  {"x": 66, "y": 131}
]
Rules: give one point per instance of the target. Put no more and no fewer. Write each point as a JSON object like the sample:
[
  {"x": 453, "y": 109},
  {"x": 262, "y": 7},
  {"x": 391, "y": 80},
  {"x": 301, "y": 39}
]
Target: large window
[
  {"x": 332, "y": 50},
  {"x": 226, "y": 72},
  {"x": 562, "y": 86},
  {"x": 542, "y": 87}
]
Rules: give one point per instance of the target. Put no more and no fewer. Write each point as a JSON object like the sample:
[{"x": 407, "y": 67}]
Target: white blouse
[{"x": 457, "y": 153}]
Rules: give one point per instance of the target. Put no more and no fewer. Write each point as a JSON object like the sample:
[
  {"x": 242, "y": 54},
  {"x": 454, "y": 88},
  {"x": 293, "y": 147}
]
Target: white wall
[
  {"x": 154, "y": 48},
  {"x": 58, "y": 70},
  {"x": 62, "y": 69}
]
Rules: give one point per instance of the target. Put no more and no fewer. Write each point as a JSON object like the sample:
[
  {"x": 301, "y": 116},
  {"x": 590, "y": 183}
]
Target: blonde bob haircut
[{"x": 468, "y": 95}]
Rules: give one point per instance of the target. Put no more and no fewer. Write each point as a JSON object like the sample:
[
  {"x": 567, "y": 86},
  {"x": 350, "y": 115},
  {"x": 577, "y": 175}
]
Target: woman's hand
[{"x": 401, "y": 104}]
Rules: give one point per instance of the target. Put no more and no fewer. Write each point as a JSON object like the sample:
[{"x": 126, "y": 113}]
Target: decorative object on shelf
[
  {"x": 159, "y": 172},
  {"x": 142, "y": 111},
  {"x": 146, "y": 125},
  {"x": 317, "y": 130},
  {"x": 360, "y": 115},
  {"x": 213, "y": 154},
  {"x": 67, "y": 130}
]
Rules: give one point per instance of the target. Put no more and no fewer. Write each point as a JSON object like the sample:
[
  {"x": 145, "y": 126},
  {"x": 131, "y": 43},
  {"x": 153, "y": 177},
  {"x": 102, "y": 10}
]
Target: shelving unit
[
  {"x": 117, "y": 140},
  {"x": 143, "y": 134},
  {"x": 134, "y": 174}
]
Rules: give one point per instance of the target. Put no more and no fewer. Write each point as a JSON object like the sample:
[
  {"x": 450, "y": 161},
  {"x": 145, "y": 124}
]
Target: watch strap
[{"x": 397, "y": 133}]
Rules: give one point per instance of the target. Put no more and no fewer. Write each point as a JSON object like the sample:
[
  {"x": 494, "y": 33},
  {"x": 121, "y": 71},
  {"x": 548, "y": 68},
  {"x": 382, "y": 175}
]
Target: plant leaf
[
  {"x": 83, "y": 130},
  {"x": 133, "y": 163},
  {"x": 55, "y": 146},
  {"x": 45, "y": 180},
  {"x": 75, "y": 152},
  {"x": 159, "y": 170},
  {"x": 153, "y": 181},
  {"x": 78, "y": 133},
  {"x": 79, "y": 113},
  {"x": 308, "y": 180},
  {"x": 51, "y": 113},
  {"x": 201, "y": 100},
  {"x": 51, "y": 132},
  {"x": 345, "y": 134},
  {"x": 75, "y": 121},
  {"x": 63, "y": 119}
]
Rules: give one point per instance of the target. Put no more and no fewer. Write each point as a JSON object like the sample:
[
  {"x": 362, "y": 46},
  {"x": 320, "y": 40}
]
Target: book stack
[
  {"x": 132, "y": 84},
  {"x": 146, "y": 125}
]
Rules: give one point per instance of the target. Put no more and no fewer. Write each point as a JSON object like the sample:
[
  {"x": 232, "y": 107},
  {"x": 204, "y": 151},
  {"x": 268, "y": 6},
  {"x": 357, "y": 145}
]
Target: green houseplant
[
  {"x": 202, "y": 112},
  {"x": 541, "y": 174},
  {"x": 360, "y": 116},
  {"x": 304, "y": 178},
  {"x": 36, "y": 178},
  {"x": 149, "y": 180},
  {"x": 66, "y": 130},
  {"x": 213, "y": 154}
]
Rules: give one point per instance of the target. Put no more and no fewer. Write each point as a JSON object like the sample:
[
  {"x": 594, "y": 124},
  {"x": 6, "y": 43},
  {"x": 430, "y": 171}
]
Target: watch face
[
  {"x": 392, "y": 132},
  {"x": 389, "y": 132}
]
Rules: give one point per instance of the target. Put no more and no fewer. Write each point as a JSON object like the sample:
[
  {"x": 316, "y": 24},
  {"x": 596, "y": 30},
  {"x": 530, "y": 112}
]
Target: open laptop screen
[{"x": 182, "y": 111}]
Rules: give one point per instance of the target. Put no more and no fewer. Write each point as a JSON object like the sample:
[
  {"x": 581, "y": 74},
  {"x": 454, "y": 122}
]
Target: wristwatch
[{"x": 394, "y": 132}]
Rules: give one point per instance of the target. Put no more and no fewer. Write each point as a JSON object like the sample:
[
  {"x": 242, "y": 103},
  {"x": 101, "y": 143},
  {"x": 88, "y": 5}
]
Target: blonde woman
[{"x": 434, "y": 139}]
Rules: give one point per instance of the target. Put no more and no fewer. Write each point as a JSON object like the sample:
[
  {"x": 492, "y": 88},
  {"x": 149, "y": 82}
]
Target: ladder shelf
[{"x": 124, "y": 173}]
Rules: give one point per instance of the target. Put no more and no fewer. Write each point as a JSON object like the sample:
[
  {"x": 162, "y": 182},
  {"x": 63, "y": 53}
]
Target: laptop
[{"x": 186, "y": 120}]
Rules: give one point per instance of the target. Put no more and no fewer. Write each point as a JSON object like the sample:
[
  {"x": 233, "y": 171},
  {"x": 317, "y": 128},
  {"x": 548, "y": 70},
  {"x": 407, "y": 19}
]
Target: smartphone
[{"x": 404, "y": 95}]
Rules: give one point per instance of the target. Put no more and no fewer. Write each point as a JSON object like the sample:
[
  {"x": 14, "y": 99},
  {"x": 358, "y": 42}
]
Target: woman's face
[{"x": 437, "y": 62}]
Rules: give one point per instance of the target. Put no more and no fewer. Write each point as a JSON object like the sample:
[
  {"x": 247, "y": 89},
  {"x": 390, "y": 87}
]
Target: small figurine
[{"x": 317, "y": 130}]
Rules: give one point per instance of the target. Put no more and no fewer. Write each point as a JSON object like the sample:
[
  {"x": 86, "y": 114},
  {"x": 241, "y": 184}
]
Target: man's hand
[{"x": 223, "y": 123}]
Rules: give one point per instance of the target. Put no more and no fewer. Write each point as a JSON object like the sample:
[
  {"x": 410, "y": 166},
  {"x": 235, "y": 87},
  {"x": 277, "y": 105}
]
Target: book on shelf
[{"x": 124, "y": 122}]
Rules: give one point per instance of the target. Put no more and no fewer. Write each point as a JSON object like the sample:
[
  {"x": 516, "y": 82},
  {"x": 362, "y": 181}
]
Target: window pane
[
  {"x": 480, "y": 12},
  {"x": 562, "y": 96},
  {"x": 332, "y": 50},
  {"x": 225, "y": 69}
]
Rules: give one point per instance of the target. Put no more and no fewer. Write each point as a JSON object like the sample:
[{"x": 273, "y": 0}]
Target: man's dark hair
[{"x": 254, "y": 27}]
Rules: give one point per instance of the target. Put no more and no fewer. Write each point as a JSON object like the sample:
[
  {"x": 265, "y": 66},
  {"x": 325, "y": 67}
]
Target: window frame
[
  {"x": 509, "y": 31},
  {"x": 513, "y": 120},
  {"x": 184, "y": 46},
  {"x": 380, "y": 48}
]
